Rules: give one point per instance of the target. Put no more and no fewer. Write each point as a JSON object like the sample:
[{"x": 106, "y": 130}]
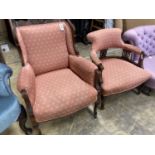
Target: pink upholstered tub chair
[
  {"x": 144, "y": 38},
  {"x": 117, "y": 75},
  {"x": 54, "y": 81}
]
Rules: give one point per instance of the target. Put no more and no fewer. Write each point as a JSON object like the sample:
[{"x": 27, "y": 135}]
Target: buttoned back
[{"x": 142, "y": 37}]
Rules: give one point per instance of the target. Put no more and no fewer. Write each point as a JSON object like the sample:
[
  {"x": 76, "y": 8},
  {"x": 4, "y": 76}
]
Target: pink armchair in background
[
  {"x": 117, "y": 75},
  {"x": 54, "y": 81}
]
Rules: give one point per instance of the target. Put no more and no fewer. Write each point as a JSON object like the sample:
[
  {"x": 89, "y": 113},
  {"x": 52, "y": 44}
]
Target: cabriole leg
[{"x": 22, "y": 121}]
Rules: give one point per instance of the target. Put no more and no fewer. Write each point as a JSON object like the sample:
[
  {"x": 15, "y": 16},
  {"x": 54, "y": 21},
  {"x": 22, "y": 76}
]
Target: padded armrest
[
  {"x": 96, "y": 60},
  {"x": 132, "y": 48},
  {"x": 84, "y": 68},
  {"x": 26, "y": 81}
]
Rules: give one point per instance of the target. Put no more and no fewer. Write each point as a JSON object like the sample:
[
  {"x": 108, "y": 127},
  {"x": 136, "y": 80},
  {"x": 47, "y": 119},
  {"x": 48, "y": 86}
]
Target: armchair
[
  {"x": 144, "y": 38},
  {"x": 54, "y": 81},
  {"x": 116, "y": 74}
]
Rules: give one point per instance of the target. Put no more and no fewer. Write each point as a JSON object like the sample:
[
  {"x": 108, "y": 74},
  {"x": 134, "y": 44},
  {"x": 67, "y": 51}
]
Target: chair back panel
[
  {"x": 44, "y": 46},
  {"x": 106, "y": 38}
]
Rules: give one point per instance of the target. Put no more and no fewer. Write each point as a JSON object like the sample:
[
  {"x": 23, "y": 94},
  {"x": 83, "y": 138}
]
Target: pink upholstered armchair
[
  {"x": 54, "y": 81},
  {"x": 117, "y": 75}
]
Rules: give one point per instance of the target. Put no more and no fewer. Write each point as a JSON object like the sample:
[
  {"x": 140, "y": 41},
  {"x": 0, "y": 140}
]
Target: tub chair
[{"x": 117, "y": 74}]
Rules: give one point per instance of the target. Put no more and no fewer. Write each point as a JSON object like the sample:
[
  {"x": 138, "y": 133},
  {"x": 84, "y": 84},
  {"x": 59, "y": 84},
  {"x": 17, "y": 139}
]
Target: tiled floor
[{"x": 125, "y": 113}]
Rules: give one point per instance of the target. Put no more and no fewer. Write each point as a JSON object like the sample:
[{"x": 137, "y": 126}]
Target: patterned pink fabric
[
  {"x": 108, "y": 38},
  {"x": 105, "y": 38},
  {"x": 83, "y": 68},
  {"x": 26, "y": 81},
  {"x": 119, "y": 76},
  {"x": 60, "y": 93},
  {"x": 54, "y": 90},
  {"x": 43, "y": 46}
]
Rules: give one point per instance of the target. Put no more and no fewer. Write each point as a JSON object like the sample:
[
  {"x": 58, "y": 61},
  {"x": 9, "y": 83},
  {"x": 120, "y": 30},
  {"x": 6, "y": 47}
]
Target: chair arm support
[
  {"x": 96, "y": 60},
  {"x": 85, "y": 69},
  {"x": 94, "y": 57},
  {"x": 132, "y": 48},
  {"x": 26, "y": 82}
]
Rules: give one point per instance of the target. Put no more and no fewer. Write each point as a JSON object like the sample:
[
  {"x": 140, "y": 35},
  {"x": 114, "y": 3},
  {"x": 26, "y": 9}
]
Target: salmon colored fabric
[
  {"x": 58, "y": 82},
  {"x": 108, "y": 38},
  {"x": 120, "y": 76},
  {"x": 60, "y": 93},
  {"x": 85, "y": 69},
  {"x": 44, "y": 47}
]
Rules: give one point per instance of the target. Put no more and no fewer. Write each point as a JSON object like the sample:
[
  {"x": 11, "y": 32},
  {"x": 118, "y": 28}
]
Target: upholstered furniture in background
[
  {"x": 144, "y": 38},
  {"x": 117, "y": 75},
  {"x": 10, "y": 109},
  {"x": 131, "y": 23},
  {"x": 54, "y": 81}
]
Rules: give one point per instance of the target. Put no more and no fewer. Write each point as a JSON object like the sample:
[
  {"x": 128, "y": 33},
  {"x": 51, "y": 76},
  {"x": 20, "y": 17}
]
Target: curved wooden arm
[
  {"x": 27, "y": 102},
  {"x": 96, "y": 60},
  {"x": 132, "y": 48}
]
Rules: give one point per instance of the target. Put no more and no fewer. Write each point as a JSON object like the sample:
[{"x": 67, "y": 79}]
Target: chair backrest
[
  {"x": 106, "y": 38},
  {"x": 142, "y": 37},
  {"x": 5, "y": 73},
  {"x": 46, "y": 46}
]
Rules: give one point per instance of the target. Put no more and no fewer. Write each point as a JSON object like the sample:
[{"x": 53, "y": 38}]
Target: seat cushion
[
  {"x": 120, "y": 75},
  {"x": 60, "y": 93},
  {"x": 9, "y": 111},
  {"x": 149, "y": 65}
]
